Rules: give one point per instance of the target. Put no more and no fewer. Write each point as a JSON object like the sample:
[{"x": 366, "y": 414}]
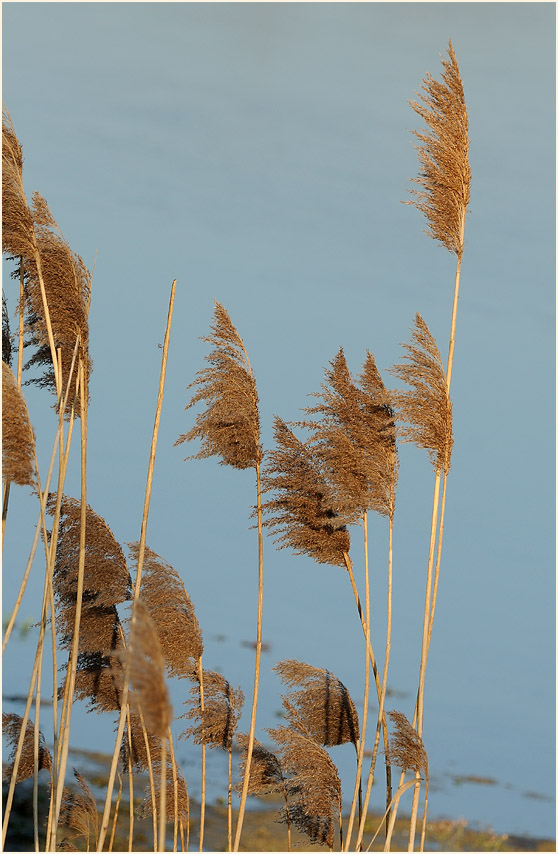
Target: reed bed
[{"x": 122, "y": 622}]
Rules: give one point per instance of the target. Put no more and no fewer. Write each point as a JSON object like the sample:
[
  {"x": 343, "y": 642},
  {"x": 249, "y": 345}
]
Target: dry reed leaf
[
  {"x": 266, "y": 773},
  {"x": 426, "y": 409},
  {"x": 304, "y": 514},
  {"x": 355, "y": 439},
  {"x": 406, "y": 749},
  {"x": 445, "y": 174},
  {"x": 229, "y": 427},
  {"x": 217, "y": 723},
  {"x": 18, "y": 439},
  {"x": 147, "y": 667},
  {"x": 322, "y": 704},
  {"x": 314, "y": 790},
  {"x": 79, "y": 810},
  {"x": 173, "y": 614},
  {"x": 11, "y": 727}
]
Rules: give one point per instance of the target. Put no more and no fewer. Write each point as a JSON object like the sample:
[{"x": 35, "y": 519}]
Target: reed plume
[
  {"x": 173, "y": 613},
  {"x": 24, "y": 746},
  {"x": 18, "y": 439},
  {"x": 144, "y": 658},
  {"x": 406, "y": 749},
  {"x": 216, "y": 723},
  {"x": 314, "y": 789},
  {"x": 304, "y": 515},
  {"x": 79, "y": 810},
  {"x": 6, "y": 335},
  {"x": 229, "y": 428},
  {"x": 266, "y": 777},
  {"x": 425, "y": 411},
  {"x": 321, "y": 702},
  {"x": 443, "y": 154}
]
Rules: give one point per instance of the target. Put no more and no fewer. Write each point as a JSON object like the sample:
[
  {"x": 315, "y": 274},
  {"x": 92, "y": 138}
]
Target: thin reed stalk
[{"x": 141, "y": 550}]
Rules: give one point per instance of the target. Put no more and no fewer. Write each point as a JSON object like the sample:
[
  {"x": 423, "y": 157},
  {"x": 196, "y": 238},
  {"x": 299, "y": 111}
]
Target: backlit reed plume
[
  {"x": 215, "y": 720},
  {"x": 314, "y": 788},
  {"x": 266, "y": 777},
  {"x": 57, "y": 282},
  {"x": 425, "y": 411},
  {"x": 163, "y": 593},
  {"x": 11, "y": 728},
  {"x": 18, "y": 440},
  {"x": 229, "y": 428},
  {"x": 304, "y": 514},
  {"x": 321, "y": 701},
  {"x": 144, "y": 657},
  {"x": 407, "y": 751},
  {"x": 445, "y": 174},
  {"x": 78, "y": 812}
]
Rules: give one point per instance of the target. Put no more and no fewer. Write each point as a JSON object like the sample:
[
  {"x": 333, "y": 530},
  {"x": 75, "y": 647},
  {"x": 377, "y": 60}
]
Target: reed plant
[{"x": 126, "y": 622}]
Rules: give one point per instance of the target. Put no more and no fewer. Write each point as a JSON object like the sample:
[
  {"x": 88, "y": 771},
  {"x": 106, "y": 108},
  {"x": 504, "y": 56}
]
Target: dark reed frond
[
  {"x": 304, "y": 514},
  {"x": 18, "y": 439},
  {"x": 6, "y": 335},
  {"x": 443, "y": 153},
  {"x": 426, "y": 409},
  {"x": 79, "y": 809},
  {"x": 11, "y": 727},
  {"x": 314, "y": 790},
  {"x": 216, "y": 724},
  {"x": 406, "y": 749},
  {"x": 321, "y": 702},
  {"x": 138, "y": 749},
  {"x": 229, "y": 427},
  {"x": 172, "y": 611},
  {"x": 355, "y": 438},
  {"x": 146, "y": 807},
  {"x": 17, "y": 221},
  {"x": 99, "y": 680},
  {"x": 106, "y": 577},
  {"x": 266, "y": 773},
  {"x": 147, "y": 667}
]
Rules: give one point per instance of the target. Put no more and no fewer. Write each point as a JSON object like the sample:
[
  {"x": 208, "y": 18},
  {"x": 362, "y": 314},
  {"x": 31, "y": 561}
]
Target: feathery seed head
[
  {"x": 18, "y": 439},
  {"x": 406, "y": 749}
]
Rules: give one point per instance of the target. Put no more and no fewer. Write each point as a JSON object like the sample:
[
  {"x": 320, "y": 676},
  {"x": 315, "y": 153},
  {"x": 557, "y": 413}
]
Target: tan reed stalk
[
  {"x": 18, "y": 378},
  {"x": 151, "y": 465},
  {"x": 229, "y": 427},
  {"x": 116, "y": 808},
  {"x": 386, "y": 816},
  {"x": 267, "y": 776},
  {"x": 203, "y": 751}
]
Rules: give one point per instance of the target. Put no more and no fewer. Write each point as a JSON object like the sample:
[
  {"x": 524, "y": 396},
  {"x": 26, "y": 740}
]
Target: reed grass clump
[{"x": 326, "y": 473}]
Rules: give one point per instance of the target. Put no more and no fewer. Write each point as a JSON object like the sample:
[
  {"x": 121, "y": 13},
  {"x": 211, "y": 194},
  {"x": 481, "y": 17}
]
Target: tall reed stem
[
  {"x": 250, "y": 747},
  {"x": 141, "y": 552}
]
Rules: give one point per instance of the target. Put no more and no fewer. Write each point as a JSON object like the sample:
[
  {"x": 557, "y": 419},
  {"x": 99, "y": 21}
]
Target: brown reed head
[
  {"x": 78, "y": 811},
  {"x": 216, "y": 723},
  {"x": 18, "y": 439},
  {"x": 425, "y": 411},
  {"x": 406, "y": 749},
  {"x": 6, "y": 335},
  {"x": 304, "y": 513},
  {"x": 314, "y": 787},
  {"x": 322, "y": 704},
  {"x": 355, "y": 438},
  {"x": 146, "y": 666},
  {"x": 182, "y": 802},
  {"x": 11, "y": 727},
  {"x": 266, "y": 773},
  {"x": 229, "y": 427},
  {"x": 17, "y": 222},
  {"x": 443, "y": 152},
  {"x": 172, "y": 611}
]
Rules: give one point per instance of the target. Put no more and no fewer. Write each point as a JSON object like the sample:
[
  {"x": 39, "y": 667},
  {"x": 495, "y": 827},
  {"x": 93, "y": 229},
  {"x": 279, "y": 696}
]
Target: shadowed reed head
[
  {"x": 31, "y": 232},
  {"x": 217, "y": 723},
  {"x": 321, "y": 704},
  {"x": 266, "y": 773},
  {"x": 304, "y": 513},
  {"x": 314, "y": 789},
  {"x": 145, "y": 661},
  {"x": 355, "y": 438},
  {"x": 79, "y": 810},
  {"x": 164, "y": 595},
  {"x": 229, "y": 427},
  {"x": 11, "y": 727},
  {"x": 425, "y": 412},
  {"x": 182, "y": 811},
  {"x": 443, "y": 153},
  {"x": 406, "y": 749},
  {"x": 18, "y": 440},
  {"x": 6, "y": 335}
]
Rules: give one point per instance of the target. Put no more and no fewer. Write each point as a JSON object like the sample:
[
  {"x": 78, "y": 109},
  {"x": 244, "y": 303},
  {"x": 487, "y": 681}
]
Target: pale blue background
[{"x": 259, "y": 153}]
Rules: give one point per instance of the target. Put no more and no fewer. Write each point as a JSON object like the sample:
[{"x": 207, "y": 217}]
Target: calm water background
[{"x": 259, "y": 153}]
